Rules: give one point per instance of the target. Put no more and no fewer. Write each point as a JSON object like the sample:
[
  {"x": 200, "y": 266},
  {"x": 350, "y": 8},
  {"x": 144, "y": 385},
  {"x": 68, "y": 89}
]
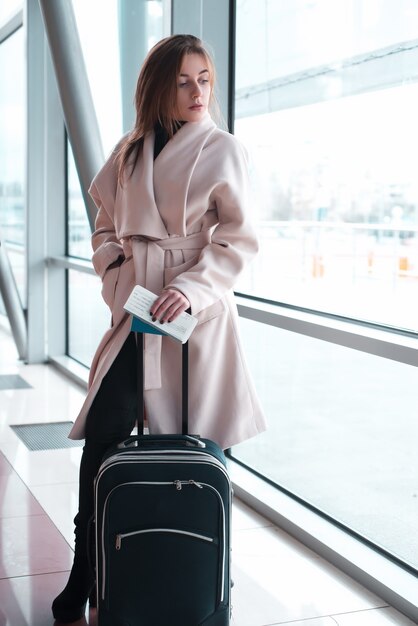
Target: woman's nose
[{"x": 197, "y": 92}]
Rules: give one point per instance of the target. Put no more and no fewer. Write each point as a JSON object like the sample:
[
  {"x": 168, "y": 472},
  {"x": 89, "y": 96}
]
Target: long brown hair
[{"x": 156, "y": 92}]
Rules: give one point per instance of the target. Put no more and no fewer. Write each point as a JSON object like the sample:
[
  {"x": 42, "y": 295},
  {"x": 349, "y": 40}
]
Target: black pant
[{"x": 111, "y": 419}]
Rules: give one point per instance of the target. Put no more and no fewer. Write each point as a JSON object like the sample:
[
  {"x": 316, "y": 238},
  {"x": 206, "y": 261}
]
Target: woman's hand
[{"x": 169, "y": 305}]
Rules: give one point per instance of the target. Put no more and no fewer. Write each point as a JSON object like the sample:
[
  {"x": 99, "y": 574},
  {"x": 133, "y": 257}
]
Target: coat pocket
[{"x": 109, "y": 283}]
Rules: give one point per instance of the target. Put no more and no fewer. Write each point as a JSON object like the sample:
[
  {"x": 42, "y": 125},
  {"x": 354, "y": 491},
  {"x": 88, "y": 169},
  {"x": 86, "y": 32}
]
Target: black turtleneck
[{"x": 161, "y": 137}]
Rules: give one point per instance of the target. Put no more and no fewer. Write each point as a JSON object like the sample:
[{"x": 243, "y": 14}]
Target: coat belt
[{"x": 154, "y": 281}]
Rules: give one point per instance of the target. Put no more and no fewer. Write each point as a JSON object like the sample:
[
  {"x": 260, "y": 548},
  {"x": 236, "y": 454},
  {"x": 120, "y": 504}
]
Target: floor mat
[
  {"x": 51, "y": 436},
  {"x": 13, "y": 381}
]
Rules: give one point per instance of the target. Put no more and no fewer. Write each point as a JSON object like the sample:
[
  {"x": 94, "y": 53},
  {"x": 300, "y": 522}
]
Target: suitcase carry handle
[
  {"x": 186, "y": 440},
  {"x": 184, "y": 385}
]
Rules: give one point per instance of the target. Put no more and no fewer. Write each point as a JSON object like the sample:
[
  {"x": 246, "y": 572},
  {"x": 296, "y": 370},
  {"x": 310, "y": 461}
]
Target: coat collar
[
  {"x": 152, "y": 202},
  {"x": 173, "y": 169}
]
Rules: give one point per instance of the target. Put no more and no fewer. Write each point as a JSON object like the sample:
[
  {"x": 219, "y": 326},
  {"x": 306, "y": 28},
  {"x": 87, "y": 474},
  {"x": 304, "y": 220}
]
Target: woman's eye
[{"x": 182, "y": 84}]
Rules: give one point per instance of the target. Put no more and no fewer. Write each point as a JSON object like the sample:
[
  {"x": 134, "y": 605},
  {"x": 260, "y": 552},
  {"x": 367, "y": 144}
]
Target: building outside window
[{"x": 325, "y": 101}]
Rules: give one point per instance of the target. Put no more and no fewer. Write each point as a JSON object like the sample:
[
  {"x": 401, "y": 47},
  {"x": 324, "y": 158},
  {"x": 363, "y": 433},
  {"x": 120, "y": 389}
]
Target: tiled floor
[{"x": 277, "y": 580}]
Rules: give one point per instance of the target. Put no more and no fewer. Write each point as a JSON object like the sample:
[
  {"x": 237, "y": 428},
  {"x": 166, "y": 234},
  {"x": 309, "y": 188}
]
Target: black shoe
[{"x": 70, "y": 605}]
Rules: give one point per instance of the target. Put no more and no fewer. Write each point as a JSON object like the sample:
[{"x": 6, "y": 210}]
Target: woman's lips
[{"x": 196, "y": 107}]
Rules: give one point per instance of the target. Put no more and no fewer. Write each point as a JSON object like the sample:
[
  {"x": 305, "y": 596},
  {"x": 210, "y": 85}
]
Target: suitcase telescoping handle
[
  {"x": 185, "y": 441},
  {"x": 184, "y": 385}
]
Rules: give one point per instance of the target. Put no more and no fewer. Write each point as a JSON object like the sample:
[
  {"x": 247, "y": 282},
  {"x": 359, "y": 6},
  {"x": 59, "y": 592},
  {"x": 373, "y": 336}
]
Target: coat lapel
[
  {"x": 137, "y": 212},
  {"x": 152, "y": 202},
  {"x": 173, "y": 169}
]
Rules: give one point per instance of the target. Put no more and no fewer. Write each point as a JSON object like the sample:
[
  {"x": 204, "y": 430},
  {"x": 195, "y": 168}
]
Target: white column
[
  {"x": 35, "y": 179},
  {"x": 55, "y": 206}
]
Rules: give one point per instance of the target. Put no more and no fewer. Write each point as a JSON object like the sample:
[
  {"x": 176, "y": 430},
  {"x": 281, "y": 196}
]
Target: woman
[{"x": 172, "y": 202}]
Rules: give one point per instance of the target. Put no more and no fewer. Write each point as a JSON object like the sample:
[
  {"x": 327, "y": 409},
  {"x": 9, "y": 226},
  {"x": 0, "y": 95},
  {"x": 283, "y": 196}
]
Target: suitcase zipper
[
  {"x": 186, "y": 456},
  {"x": 174, "y": 531},
  {"x": 178, "y": 484}
]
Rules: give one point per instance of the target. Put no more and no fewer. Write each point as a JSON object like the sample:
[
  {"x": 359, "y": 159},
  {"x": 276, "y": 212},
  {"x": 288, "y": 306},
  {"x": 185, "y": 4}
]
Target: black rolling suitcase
[{"x": 162, "y": 519}]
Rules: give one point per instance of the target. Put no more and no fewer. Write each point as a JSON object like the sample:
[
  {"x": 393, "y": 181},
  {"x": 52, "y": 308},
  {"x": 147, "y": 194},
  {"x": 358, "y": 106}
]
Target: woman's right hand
[{"x": 169, "y": 305}]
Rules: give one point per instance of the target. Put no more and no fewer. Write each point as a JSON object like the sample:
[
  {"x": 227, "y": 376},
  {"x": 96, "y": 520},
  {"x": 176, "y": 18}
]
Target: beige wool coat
[{"x": 180, "y": 221}]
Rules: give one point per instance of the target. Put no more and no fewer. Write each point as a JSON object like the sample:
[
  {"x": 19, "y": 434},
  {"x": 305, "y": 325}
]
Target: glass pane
[
  {"x": 105, "y": 52},
  {"x": 334, "y": 182},
  {"x": 9, "y": 8},
  {"x": 88, "y": 315},
  {"x": 290, "y": 37},
  {"x": 78, "y": 231},
  {"x": 342, "y": 432},
  {"x": 113, "y": 55},
  {"x": 12, "y": 155},
  {"x": 17, "y": 260},
  {"x": 102, "y": 58}
]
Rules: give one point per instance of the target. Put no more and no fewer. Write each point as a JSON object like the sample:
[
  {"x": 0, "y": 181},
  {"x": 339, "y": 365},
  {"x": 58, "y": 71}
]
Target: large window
[
  {"x": 342, "y": 432},
  {"x": 88, "y": 315},
  {"x": 101, "y": 52},
  {"x": 8, "y": 8},
  {"x": 12, "y": 155},
  {"x": 113, "y": 55},
  {"x": 326, "y": 102},
  {"x": 78, "y": 231}
]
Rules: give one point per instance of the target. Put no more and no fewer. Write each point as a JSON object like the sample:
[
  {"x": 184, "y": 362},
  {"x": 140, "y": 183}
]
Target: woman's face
[{"x": 193, "y": 88}]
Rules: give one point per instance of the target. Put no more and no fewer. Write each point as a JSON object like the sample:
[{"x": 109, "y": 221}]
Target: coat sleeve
[
  {"x": 106, "y": 246},
  {"x": 233, "y": 243}
]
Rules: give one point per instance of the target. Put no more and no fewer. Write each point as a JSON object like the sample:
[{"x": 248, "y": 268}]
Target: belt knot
[{"x": 154, "y": 281}]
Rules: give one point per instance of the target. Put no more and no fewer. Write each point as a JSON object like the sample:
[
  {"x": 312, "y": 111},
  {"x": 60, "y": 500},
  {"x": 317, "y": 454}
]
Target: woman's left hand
[{"x": 169, "y": 305}]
